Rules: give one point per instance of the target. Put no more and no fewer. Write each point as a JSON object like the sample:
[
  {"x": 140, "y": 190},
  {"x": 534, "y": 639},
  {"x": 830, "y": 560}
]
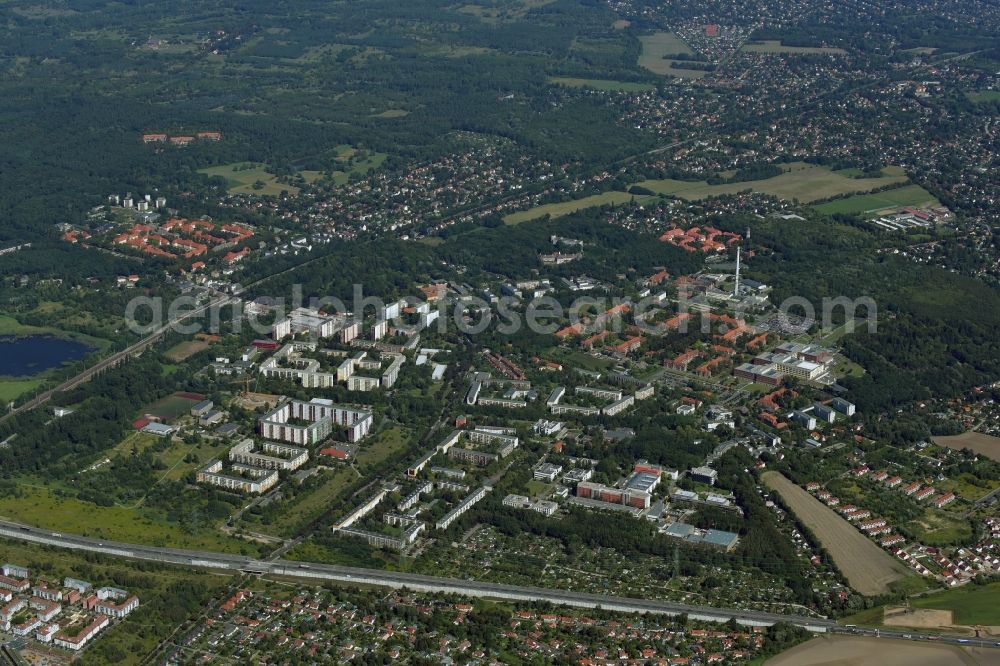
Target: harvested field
[
  {"x": 864, "y": 651},
  {"x": 986, "y": 445},
  {"x": 917, "y": 618},
  {"x": 868, "y": 568}
]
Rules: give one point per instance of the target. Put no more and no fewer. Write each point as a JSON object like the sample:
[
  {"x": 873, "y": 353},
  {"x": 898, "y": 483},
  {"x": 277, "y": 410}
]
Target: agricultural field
[
  {"x": 910, "y": 195},
  {"x": 659, "y": 44},
  {"x": 864, "y": 651},
  {"x": 985, "y": 445},
  {"x": 600, "y": 84},
  {"x": 868, "y": 568},
  {"x": 566, "y": 207},
  {"x": 172, "y": 407},
  {"x": 801, "y": 181},
  {"x": 775, "y": 46},
  {"x": 970, "y": 605}
]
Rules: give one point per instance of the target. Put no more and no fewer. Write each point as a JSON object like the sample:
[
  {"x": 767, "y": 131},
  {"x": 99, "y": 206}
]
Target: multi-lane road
[{"x": 439, "y": 584}]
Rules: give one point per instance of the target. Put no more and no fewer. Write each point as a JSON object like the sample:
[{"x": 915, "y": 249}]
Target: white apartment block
[
  {"x": 307, "y": 423},
  {"x": 255, "y": 480},
  {"x": 282, "y": 457},
  {"x": 462, "y": 507}
]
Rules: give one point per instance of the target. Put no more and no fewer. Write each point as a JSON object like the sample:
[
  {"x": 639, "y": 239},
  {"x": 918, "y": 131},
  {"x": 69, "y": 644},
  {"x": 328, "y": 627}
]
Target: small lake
[{"x": 30, "y": 355}]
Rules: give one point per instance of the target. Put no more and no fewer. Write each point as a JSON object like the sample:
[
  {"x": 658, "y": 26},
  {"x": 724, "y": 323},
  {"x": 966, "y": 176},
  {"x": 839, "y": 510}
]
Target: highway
[
  {"x": 112, "y": 360},
  {"x": 438, "y": 584}
]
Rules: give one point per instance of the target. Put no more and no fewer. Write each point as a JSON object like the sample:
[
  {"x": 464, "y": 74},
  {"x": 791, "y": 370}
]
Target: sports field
[
  {"x": 775, "y": 46},
  {"x": 600, "y": 84},
  {"x": 910, "y": 195},
  {"x": 868, "y": 568},
  {"x": 567, "y": 207},
  {"x": 171, "y": 407},
  {"x": 986, "y": 445},
  {"x": 801, "y": 181}
]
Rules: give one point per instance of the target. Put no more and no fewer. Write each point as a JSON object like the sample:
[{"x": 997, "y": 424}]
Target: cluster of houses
[
  {"x": 966, "y": 563},
  {"x": 182, "y": 139},
  {"x": 700, "y": 239},
  {"x": 349, "y": 633},
  {"x": 67, "y": 616}
]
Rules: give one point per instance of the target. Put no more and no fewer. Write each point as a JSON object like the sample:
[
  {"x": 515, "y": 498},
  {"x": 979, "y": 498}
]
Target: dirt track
[{"x": 868, "y": 568}]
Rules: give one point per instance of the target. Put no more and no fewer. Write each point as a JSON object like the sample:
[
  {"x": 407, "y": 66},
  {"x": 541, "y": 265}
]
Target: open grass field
[
  {"x": 984, "y": 96},
  {"x": 600, "y": 84},
  {"x": 12, "y": 389},
  {"x": 865, "y": 651},
  {"x": 970, "y": 605},
  {"x": 185, "y": 350},
  {"x": 986, "y": 445},
  {"x": 11, "y": 326},
  {"x": 801, "y": 181},
  {"x": 566, "y": 207},
  {"x": 392, "y": 113},
  {"x": 309, "y": 506},
  {"x": 939, "y": 528},
  {"x": 241, "y": 178},
  {"x": 42, "y": 508},
  {"x": 386, "y": 444},
  {"x": 910, "y": 195},
  {"x": 775, "y": 46},
  {"x": 868, "y": 568},
  {"x": 659, "y": 44},
  {"x": 171, "y": 407}
]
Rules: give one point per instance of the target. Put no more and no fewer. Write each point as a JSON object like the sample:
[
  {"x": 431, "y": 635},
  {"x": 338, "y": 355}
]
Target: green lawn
[
  {"x": 970, "y": 604},
  {"x": 566, "y": 207},
  {"x": 42, "y": 508},
  {"x": 910, "y": 195},
  {"x": 801, "y": 181},
  {"x": 600, "y": 84}
]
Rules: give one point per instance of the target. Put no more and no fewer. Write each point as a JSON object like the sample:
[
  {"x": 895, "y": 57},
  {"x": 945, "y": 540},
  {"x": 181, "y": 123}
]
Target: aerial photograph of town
[{"x": 482, "y": 332}]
